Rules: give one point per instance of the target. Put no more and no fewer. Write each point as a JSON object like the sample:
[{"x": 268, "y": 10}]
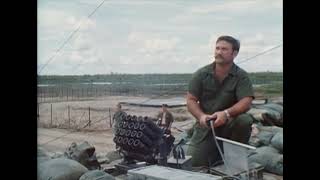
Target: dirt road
[{"x": 57, "y": 140}]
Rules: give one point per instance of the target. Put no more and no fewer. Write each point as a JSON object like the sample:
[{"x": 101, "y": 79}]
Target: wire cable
[
  {"x": 68, "y": 39},
  {"x": 259, "y": 54}
]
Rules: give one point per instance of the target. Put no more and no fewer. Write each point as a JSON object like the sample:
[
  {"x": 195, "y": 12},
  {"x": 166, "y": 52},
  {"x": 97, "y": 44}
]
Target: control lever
[{"x": 210, "y": 122}]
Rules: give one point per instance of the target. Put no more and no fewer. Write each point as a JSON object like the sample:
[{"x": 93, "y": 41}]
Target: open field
[{"x": 99, "y": 117}]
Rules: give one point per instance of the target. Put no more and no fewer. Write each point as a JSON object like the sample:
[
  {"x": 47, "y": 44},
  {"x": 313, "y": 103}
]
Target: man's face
[
  {"x": 223, "y": 53},
  {"x": 164, "y": 109}
]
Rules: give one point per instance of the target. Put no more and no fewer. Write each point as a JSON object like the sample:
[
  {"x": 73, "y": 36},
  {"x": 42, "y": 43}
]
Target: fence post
[
  {"x": 47, "y": 94},
  {"x": 69, "y": 115},
  {"x": 51, "y": 117},
  {"x": 89, "y": 117},
  {"x": 50, "y": 94},
  {"x": 38, "y": 115},
  {"x": 110, "y": 118}
]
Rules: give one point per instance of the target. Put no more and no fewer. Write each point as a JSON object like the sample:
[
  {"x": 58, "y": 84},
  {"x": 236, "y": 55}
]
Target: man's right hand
[{"x": 204, "y": 118}]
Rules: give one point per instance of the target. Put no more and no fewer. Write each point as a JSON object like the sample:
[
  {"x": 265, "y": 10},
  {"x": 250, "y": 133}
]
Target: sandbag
[
  {"x": 84, "y": 153},
  {"x": 273, "y": 129},
  {"x": 96, "y": 175},
  {"x": 268, "y": 157},
  {"x": 60, "y": 169},
  {"x": 262, "y": 135},
  {"x": 268, "y": 114},
  {"x": 257, "y": 114},
  {"x": 57, "y": 155},
  {"x": 42, "y": 155},
  {"x": 277, "y": 141},
  {"x": 265, "y": 137}
]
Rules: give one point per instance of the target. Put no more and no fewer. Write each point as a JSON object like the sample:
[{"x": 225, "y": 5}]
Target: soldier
[
  {"x": 222, "y": 91},
  {"x": 116, "y": 117},
  {"x": 165, "y": 119}
]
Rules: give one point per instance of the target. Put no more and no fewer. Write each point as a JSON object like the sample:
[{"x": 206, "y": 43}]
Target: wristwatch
[{"x": 228, "y": 115}]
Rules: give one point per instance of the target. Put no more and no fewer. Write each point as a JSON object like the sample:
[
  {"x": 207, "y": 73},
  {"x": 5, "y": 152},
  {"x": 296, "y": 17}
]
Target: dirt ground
[{"x": 99, "y": 133}]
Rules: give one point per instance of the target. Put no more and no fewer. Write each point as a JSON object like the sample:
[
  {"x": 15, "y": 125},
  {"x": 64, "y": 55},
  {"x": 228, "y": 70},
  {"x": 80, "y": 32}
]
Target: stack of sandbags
[
  {"x": 269, "y": 157},
  {"x": 268, "y": 114},
  {"x": 269, "y": 143},
  {"x": 266, "y": 135},
  {"x": 72, "y": 164}
]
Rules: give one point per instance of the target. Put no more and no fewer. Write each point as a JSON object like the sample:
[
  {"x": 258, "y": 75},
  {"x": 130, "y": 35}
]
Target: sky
[{"x": 154, "y": 36}]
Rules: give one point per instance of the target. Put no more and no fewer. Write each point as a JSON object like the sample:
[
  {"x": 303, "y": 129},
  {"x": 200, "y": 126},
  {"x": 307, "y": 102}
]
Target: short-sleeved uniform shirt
[{"x": 215, "y": 96}]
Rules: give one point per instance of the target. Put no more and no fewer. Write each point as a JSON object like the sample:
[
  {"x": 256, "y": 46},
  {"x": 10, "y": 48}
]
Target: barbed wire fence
[{"x": 73, "y": 117}]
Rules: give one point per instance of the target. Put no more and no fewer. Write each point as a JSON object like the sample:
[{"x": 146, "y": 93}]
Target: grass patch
[{"x": 270, "y": 90}]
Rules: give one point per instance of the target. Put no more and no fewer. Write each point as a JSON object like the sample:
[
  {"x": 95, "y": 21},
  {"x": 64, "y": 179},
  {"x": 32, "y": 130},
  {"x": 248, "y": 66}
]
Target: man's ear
[{"x": 235, "y": 53}]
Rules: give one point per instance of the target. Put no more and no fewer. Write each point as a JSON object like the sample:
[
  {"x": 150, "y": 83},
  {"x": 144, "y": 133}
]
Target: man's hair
[
  {"x": 235, "y": 43},
  {"x": 118, "y": 105},
  {"x": 164, "y": 105}
]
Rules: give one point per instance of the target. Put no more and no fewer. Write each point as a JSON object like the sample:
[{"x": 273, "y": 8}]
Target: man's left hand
[{"x": 221, "y": 118}]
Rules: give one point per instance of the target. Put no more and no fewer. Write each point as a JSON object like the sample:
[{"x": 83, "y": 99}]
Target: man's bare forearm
[
  {"x": 240, "y": 107},
  {"x": 193, "y": 106}
]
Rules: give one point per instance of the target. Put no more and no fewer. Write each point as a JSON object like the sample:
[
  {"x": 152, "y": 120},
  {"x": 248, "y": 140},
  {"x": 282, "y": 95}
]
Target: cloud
[
  {"x": 225, "y": 11},
  {"x": 152, "y": 42},
  {"x": 156, "y": 45},
  {"x": 51, "y": 18},
  {"x": 227, "y": 6},
  {"x": 179, "y": 41},
  {"x": 188, "y": 17},
  {"x": 52, "y": 22},
  {"x": 236, "y": 6}
]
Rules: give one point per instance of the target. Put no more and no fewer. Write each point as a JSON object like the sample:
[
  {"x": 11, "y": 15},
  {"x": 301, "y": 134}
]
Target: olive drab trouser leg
[
  {"x": 240, "y": 128},
  {"x": 204, "y": 151}
]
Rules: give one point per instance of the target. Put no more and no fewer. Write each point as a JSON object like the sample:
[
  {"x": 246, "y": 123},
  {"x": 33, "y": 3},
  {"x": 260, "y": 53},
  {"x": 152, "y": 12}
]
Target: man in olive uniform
[
  {"x": 220, "y": 90},
  {"x": 165, "y": 119},
  {"x": 116, "y": 117}
]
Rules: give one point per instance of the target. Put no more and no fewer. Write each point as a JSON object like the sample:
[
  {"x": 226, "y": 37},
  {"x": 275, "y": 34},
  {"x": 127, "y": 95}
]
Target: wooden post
[
  {"x": 38, "y": 112},
  {"x": 67, "y": 94},
  {"x": 50, "y": 93},
  {"x": 51, "y": 117},
  {"x": 45, "y": 93},
  {"x": 89, "y": 117},
  {"x": 110, "y": 118},
  {"x": 69, "y": 115}
]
